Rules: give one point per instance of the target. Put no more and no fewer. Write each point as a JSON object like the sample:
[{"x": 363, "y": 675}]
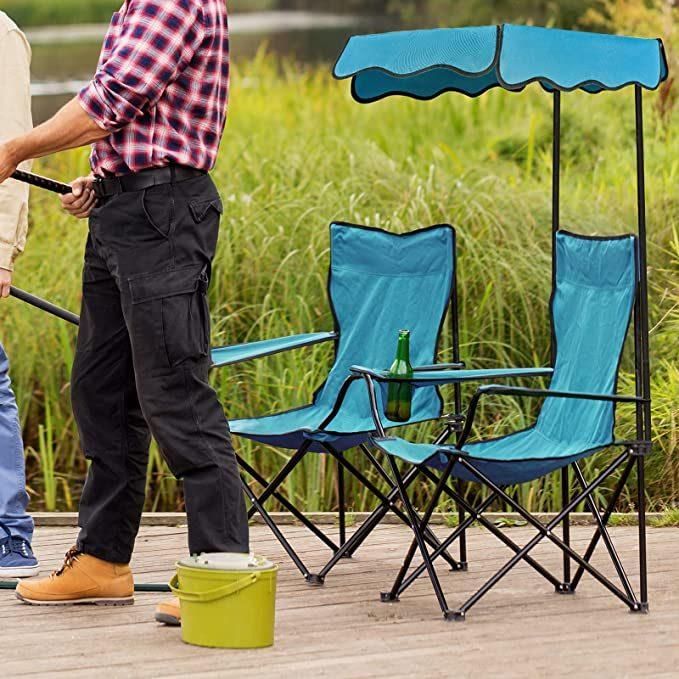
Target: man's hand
[
  {"x": 8, "y": 164},
  {"x": 5, "y": 282},
  {"x": 81, "y": 202}
]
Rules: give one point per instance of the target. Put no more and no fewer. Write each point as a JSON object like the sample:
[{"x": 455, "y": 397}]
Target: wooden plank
[{"x": 341, "y": 630}]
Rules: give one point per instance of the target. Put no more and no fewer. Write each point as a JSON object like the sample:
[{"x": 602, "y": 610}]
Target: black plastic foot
[
  {"x": 315, "y": 580},
  {"x": 454, "y": 616},
  {"x": 640, "y": 608},
  {"x": 462, "y": 566},
  {"x": 564, "y": 588},
  {"x": 388, "y": 598}
]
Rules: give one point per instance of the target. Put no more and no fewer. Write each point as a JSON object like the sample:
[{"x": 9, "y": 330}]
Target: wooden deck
[{"x": 342, "y": 630}]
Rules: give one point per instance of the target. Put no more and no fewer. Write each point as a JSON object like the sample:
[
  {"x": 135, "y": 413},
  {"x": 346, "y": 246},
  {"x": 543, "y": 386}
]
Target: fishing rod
[
  {"x": 42, "y": 182},
  {"x": 43, "y": 305},
  {"x": 141, "y": 588}
]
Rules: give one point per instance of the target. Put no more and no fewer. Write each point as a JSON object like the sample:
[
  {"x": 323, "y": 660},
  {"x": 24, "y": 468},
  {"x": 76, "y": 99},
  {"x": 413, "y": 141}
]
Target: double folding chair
[
  {"x": 379, "y": 283},
  {"x": 596, "y": 283}
]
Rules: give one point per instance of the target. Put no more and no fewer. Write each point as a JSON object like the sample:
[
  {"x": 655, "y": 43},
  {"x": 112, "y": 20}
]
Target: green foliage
[
  {"x": 299, "y": 154},
  {"x": 49, "y": 13}
]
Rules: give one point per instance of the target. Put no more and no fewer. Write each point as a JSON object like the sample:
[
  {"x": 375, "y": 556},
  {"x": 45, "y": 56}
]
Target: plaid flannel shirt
[{"x": 161, "y": 87}]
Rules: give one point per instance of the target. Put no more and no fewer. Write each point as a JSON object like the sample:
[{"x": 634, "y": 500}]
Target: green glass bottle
[{"x": 400, "y": 394}]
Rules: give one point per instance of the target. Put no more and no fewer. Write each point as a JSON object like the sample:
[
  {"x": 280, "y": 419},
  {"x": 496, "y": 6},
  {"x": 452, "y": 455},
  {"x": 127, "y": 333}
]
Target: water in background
[{"x": 64, "y": 58}]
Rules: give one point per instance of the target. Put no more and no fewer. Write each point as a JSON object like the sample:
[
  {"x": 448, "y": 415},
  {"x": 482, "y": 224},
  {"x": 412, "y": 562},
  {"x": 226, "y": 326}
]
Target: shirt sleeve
[
  {"x": 158, "y": 39},
  {"x": 15, "y": 120}
]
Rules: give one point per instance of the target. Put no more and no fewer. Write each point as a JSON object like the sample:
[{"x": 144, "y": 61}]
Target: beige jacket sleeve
[{"x": 15, "y": 119}]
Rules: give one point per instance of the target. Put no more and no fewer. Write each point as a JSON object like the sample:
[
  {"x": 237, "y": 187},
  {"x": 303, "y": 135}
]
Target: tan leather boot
[
  {"x": 83, "y": 579},
  {"x": 169, "y": 613}
]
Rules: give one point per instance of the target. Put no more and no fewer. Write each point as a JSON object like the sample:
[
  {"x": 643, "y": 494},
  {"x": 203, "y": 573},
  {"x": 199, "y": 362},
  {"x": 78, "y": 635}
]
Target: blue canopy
[{"x": 426, "y": 63}]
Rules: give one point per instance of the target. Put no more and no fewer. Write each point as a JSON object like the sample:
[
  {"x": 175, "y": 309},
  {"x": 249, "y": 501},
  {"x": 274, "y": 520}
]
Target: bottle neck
[{"x": 403, "y": 349}]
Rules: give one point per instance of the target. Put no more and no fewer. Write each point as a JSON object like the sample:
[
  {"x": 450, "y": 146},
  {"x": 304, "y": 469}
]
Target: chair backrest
[
  {"x": 380, "y": 283},
  {"x": 596, "y": 285}
]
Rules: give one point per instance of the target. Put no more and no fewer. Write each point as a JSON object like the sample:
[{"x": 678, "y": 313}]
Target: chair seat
[
  {"x": 517, "y": 458},
  {"x": 290, "y": 429}
]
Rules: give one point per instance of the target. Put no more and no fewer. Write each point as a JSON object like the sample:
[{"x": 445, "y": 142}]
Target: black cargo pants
[{"x": 141, "y": 369}]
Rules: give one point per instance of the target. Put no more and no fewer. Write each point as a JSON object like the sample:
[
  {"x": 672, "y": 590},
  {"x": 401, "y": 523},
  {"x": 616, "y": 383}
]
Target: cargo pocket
[
  {"x": 200, "y": 209},
  {"x": 170, "y": 313}
]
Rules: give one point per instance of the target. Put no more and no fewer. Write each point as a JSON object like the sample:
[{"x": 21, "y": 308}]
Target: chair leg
[
  {"x": 477, "y": 515},
  {"x": 565, "y": 586},
  {"x": 460, "y": 522},
  {"x": 251, "y": 471},
  {"x": 641, "y": 510},
  {"x": 342, "y": 501},
  {"x": 543, "y": 532},
  {"x": 283, "y": 474},
  {"x": 428, "y": 534},
  {"x": 415, "y": 525},
  {"x": 367, "y": 527},
  {"x": 277, "y": 533},
  {"x": 393, "y": 594},
  {"x": 605, "y": 518},
  {"x": 603, "y": 531}
]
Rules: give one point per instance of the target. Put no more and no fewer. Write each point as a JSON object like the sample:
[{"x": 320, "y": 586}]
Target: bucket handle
[{"x": 213, "y": 594}]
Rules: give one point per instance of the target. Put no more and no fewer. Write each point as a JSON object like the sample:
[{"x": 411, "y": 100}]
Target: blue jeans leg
[{"x": 13, "y": 496}]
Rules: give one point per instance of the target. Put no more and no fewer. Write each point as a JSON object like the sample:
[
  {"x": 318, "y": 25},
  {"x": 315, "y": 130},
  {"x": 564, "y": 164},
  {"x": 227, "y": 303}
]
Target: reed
[{"x": 298, "y": 154}]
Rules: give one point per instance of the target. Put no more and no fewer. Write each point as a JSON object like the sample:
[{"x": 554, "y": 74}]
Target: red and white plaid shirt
[{"x": 161, "y": 87}]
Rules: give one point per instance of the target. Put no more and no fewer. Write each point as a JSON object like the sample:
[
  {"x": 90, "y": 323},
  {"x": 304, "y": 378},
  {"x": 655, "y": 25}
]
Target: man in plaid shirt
[{"x": 155, "y": 113}]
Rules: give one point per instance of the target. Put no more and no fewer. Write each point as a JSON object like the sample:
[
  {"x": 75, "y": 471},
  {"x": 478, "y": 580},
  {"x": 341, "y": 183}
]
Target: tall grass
[{"x": 299, "y": 154}]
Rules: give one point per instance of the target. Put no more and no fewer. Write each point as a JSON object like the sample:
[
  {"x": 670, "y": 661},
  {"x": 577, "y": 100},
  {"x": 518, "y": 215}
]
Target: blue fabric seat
[
  {"x": 596, "y": 284},
  {"x": 379, "y": 283}
]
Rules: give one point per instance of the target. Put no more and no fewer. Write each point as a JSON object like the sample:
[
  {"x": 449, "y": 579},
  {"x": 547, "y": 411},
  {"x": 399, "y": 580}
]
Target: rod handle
[{"x": 42, "y": 182}]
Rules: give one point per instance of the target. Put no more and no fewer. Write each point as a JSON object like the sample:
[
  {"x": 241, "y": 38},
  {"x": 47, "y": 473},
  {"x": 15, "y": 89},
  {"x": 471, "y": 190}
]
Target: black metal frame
[
  {"x": 633, "y": 457},
  {"x": 347, "y": 547}
]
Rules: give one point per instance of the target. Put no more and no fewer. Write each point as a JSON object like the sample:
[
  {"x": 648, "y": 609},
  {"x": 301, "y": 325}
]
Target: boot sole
[
  {"x": 125, "y": 601},
  {"x": 168, "y": 620}
]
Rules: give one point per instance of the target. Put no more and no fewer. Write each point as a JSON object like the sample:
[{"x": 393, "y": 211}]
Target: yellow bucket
[{"x": 226, "y": 608}]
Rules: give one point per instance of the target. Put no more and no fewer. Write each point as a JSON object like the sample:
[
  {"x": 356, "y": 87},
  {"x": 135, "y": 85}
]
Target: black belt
[{"x": 105, "y": 187}]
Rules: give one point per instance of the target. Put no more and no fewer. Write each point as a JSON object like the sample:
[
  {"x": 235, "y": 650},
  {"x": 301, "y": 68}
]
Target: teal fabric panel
[
  {"x": 470, "y": 50},
  {"x": 570, "y": 59},
  {"x": 503, "y": 472},
  {"x": 421, "y": 64},
  {"x": 424, "y": 64},
  {"x": 247, "y": 352},
  {"x": 596, "y": 285},
  {"x": 379, "y": 283}
]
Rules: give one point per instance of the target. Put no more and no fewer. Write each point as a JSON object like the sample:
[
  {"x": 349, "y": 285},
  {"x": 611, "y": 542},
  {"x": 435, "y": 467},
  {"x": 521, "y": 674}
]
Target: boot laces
[{"x": 69, "y": 560}]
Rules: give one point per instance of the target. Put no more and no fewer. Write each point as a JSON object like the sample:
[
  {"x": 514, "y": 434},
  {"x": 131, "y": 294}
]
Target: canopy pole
[
  {"x": 645, "y": 386},
  {"x": 642, "y": 358},
  {"x": 556, "y": 197},
  {"x": 556, "y": 164}
]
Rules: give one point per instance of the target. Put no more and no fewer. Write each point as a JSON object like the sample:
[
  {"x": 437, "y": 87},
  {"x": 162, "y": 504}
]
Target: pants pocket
[{"x": 170, "y": 313}]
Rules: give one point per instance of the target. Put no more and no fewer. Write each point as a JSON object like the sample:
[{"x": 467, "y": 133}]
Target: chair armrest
[
  {"x": 505, "y": 390},
  {"x": 548, "y": 393},
  {"x": 431, "y": 378},
  {"x": 240, "y": 353}
]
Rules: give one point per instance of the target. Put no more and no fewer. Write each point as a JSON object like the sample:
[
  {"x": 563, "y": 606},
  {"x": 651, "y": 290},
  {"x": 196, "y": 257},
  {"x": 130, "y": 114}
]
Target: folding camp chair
[
  {"x": 379, "y": 283},
  {"x": 596, "y": 282}
]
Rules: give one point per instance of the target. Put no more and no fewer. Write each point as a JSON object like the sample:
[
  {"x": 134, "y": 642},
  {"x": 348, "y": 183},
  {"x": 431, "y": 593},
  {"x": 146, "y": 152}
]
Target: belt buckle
[{"x": 97, "y": 187}]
